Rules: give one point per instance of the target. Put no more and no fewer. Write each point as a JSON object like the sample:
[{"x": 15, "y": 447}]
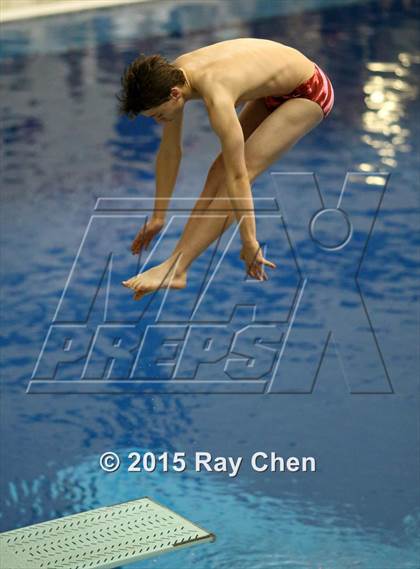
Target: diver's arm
[
  {"x": 166, "y": 169},
  {"x": 226, "y": 125},
  {"x": 167, "y": 164}
]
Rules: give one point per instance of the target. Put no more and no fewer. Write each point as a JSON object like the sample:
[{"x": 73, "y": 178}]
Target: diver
[{"x": 284, "y": 96}]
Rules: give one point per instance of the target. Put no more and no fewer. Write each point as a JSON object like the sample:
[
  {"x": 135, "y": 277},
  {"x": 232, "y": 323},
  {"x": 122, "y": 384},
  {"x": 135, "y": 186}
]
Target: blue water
[{"x": 64, "y": 147}]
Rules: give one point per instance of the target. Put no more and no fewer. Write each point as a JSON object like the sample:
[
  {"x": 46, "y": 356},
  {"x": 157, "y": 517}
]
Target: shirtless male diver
[{"x": 285, "y": 94}]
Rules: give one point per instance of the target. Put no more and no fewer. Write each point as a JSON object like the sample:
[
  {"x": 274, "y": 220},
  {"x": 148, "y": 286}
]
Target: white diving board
[{"x": 100, "y": 539}]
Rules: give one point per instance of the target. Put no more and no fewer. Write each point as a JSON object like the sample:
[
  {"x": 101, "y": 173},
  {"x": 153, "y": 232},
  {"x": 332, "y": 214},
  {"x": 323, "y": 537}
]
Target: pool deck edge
[{"x": 69, "y": 6}]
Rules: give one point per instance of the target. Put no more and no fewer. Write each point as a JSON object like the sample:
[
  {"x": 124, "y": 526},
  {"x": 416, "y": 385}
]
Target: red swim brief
[{"x": 318, "y": 88}]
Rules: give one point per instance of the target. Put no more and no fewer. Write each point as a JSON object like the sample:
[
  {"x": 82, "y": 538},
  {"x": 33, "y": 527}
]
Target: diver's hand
[
  {"x": 149, "y": 230},
  {"x": 254, "y": 261}
]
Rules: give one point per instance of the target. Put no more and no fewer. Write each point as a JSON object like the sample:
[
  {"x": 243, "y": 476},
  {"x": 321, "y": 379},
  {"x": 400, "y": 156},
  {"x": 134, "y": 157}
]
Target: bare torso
[{"x": 246, "y": 68}]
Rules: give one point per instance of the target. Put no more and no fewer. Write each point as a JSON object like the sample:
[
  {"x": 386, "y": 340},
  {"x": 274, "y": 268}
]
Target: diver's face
[{"x": 167, "y": 111}]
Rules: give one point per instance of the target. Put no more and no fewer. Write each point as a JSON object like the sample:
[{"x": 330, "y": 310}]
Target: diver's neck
[{"x": 188, "y": 90}]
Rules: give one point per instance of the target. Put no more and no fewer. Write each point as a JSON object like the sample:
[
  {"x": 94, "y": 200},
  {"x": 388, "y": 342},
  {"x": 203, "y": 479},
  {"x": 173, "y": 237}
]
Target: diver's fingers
[
  {"x": 138, "y": 295},
  {"x": 254, "y": 273},
  {"x": 261, "y": 272},
  {"x": 136, "y": 246},
  {"x": 269, "y": 263},
  {"x": 140, "y": 235}
]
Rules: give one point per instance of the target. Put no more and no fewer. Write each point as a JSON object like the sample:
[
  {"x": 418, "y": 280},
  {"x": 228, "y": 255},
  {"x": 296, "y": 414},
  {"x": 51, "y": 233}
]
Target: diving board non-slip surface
[{"x": 100, "y": 539}]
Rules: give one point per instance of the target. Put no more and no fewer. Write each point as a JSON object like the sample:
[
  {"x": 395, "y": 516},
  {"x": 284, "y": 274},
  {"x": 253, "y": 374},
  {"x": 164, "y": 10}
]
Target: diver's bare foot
[{"x": 164, "y": 275}]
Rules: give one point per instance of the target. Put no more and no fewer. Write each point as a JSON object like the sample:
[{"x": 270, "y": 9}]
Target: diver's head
[{"x": 153, "y": 87}]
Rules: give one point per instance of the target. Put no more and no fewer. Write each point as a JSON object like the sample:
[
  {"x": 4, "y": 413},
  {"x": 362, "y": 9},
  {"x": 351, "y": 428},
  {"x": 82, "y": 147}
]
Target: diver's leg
[
  {"x": 271, "y": 139},
  {"x": 250, "y": 117},
  {"x": 164, "y": 275}
]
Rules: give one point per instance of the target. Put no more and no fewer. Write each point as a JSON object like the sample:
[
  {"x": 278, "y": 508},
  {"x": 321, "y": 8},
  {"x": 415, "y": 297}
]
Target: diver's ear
[{"x": 176, "y": 93}]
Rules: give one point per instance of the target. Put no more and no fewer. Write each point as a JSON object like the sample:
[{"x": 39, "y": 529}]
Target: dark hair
[{"x": 147, "y": 83}]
